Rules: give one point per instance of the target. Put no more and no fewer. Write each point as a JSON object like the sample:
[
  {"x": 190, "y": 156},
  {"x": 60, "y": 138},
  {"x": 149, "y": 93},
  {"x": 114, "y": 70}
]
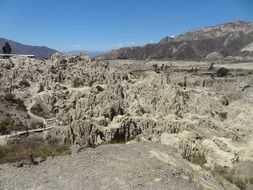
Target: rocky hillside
[
  {"x": 202, "y": 114},
  {"x": 227, "y": 39},
  {"x": 18, "y": 48}
]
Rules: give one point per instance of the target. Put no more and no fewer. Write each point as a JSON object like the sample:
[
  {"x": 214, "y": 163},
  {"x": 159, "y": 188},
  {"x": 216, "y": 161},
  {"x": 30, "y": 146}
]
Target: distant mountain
[
  {"x": 95, "y": 53},
  {"x": 90, "y": 53},
  {"x": 225, "y": 39},
  {"x": 18, "y": 48}
]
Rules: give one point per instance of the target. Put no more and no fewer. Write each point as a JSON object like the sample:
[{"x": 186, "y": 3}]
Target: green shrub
[
  {"x": 222, "y": 72},
  {"x": 20, "y": 105},
  {"x": 41, "y": 88},
  {"x": 9, "y": 97},
  {"x": 24, "y": 84},
  {"x": 155, "y": 66}
]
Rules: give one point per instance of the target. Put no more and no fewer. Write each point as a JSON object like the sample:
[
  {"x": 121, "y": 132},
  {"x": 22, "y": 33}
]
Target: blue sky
[{"x": 108, "y": 24}]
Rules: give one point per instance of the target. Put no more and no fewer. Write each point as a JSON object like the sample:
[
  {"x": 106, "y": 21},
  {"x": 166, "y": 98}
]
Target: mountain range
[
  {"x": 40, "y": 51},
  {"x": 18, "y": 48},
  {"x": 227, "y": 39}
]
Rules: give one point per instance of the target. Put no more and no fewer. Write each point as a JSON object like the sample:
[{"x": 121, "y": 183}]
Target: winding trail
[
  {"x": 48, "y": 124},
  {"x": 32, "y": 115}
]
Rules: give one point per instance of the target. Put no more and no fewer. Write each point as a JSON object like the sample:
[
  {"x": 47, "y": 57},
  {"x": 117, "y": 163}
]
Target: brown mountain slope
[
  {"x": 227, "y": 39},
  {"x": 18, "y": 48}
]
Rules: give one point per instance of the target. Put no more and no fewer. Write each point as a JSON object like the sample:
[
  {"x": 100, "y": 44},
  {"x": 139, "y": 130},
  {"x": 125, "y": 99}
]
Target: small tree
[{"x": 6, "y": 48}]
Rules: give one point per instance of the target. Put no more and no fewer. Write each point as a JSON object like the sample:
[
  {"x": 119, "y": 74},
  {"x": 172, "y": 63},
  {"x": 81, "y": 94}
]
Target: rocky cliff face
[
  {"x": 203, "y": 118},
  {"x": 227, "y": 39}
]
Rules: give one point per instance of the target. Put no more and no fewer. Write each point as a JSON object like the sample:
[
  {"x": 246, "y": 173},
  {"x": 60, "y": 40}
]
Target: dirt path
[
  {"x": 48, "y": 125},
  {"x": 43, "y": 120}
]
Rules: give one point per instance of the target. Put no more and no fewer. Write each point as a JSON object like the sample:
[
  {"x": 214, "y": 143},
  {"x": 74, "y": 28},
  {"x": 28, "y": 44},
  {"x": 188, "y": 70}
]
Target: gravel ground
[{"x": 115, "y": 166}]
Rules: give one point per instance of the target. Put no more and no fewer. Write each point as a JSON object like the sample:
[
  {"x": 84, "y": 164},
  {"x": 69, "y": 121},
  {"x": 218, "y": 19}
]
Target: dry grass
[
  {"x": 229, "y": 175},
  {"x": 199, "y": 159},
  {"x": 21, "y": 149}
]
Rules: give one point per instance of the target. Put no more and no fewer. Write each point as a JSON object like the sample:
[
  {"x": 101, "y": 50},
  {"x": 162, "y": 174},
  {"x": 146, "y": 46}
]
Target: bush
[
  {"x": 9, "y": 97},
  {"x": 222, "y": 72},
  {"x": 198, "y": 159},
  {"x": 24, "y": 84},
  {"x": 155, "y": 66},
  {"x": 6, "y": 126},
  {"x": 36, "y": 124},
  {"x": 41, "y": 88},
  {"x": 38, "y": 110},
  {"x": 20, "y": 105},
  {"x": 21, "y": 150}
]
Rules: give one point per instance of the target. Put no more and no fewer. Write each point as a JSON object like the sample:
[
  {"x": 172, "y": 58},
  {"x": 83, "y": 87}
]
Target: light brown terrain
[{"x": 155, "y": 124}]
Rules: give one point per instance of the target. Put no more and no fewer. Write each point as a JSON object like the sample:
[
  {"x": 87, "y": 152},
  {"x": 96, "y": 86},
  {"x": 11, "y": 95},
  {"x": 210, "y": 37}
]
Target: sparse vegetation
[
  {"x": 155, "y": 66},
  {"x": 36, "y": 124},
  {"x": 223, "y": 116},
  {"x": 41, "y": 88},
  {"x": 229, "y": 175},
  {"x": 240, "y": 182},
  {"x": 78, "y": 82},
  {"x": 24, "y": 84},
  {"x": 198, "y": 159},
  {"x": 9, "y": 97},
  {"x": 223, "y": 171},
  {"x": 21, "y": 149},
  {"x": 37, "y": 109},
  {"x": 190, "y": 177},
  {"x": 99, "y": 88},
  {"x": 64, "y": 88},
  {"x": 6, "y": 126},
  {"x": 222, "y": 72}
]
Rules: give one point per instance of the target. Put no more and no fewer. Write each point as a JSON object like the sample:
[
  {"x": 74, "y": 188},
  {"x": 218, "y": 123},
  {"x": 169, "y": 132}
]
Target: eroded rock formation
[{"x": 206, "y": 119}]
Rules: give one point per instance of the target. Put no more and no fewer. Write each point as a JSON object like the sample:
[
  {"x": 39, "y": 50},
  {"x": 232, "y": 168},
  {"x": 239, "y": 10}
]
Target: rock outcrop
[{"x": 205, "y": 119}]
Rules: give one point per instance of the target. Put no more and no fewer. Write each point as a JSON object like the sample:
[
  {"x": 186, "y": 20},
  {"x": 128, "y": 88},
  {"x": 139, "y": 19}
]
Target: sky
[{"x": 101, "y": 25}]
